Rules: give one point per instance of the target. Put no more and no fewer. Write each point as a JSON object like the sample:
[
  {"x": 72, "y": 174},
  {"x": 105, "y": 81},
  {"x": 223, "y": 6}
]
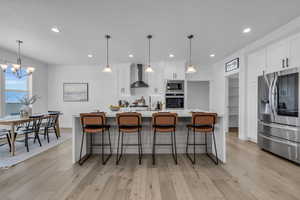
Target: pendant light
[
  {"x": 148, "y": 67},
  {"x": 190, "y": 68},
  {"x": 107, "y": 67},
  {"x": 17, "y": 68}
]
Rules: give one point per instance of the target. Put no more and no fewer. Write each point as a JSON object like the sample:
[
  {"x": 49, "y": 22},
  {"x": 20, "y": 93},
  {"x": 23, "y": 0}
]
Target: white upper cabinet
[
  {"x": 174, "y": 70},
  {"x": 124, "y": 80},
  {"x": 294, "y": 52},
  {"x": 277, "y": 55},
  {"x": 284, "y": 54}
]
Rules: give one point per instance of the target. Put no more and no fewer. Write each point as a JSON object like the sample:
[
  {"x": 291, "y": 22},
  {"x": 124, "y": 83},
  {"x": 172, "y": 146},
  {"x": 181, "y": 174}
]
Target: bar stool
[
  {"x": 202, "y": 123},
  {"x": 129, "y": 122},
  {"x": 95, "y": 123},
  {"x": 164, "y": 122}
]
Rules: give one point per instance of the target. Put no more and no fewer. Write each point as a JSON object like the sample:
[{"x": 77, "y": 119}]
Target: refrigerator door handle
[{"x": 274, "y": 86}]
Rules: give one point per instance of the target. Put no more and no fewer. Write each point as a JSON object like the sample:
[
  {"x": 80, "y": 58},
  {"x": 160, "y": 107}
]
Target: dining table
[{"x": 13, "y": 121}]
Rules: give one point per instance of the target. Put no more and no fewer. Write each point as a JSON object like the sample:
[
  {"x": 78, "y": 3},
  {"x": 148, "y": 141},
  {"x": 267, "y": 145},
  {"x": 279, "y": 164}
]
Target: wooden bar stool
[
  {"x": 164, "y": 122},
  {"x": 129, "y": 122},
  {"x": 95, "y": 123},
  {"x": 202, "y": 123}
]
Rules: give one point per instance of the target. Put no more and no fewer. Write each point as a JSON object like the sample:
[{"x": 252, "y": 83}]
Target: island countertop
[{"x": 181, "y": 113}]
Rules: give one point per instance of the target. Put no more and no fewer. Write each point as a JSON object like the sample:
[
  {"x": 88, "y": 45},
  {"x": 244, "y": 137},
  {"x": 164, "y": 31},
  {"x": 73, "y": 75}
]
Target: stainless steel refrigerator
[{"x": 278, "y": 114}]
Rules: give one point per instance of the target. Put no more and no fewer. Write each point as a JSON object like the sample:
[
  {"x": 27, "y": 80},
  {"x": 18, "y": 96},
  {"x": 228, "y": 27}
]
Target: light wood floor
[{"x": 249, "y": 174}]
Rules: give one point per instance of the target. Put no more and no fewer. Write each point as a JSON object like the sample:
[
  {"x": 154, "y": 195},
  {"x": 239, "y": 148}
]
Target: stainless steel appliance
[
  {"x": 278, "y": 113},
  {"x": 174, "y": 101},
  {"x": 175, "y": 86}
]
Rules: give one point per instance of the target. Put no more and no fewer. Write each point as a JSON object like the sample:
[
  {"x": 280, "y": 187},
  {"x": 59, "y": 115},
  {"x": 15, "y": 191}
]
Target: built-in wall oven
[
  {"x": 174, "y": 101},
  {"x": 175, "y": 94},
  {"x": 278, "y": 113}
]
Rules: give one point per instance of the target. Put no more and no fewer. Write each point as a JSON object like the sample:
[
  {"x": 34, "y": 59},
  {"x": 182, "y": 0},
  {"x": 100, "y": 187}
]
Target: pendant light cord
[
  {"x": 190, "y": 37},
  {"x": 149, "y": 51},
  {"x": 107, "y": 37}
]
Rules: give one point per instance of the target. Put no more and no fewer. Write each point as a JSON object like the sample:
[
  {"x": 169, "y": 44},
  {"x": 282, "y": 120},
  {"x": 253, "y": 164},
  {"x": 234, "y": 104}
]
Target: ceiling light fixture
[
  {"x": 90, "y": 55},
  {"x": 17, "y": 67},
  {"x": 212, "y": 55},
  {"x": 171, "y": 56},
  {"x": 107, "y": 67},
  {"x": 130, "y": 55},
  {"x": 190, "y": 68},
  {"x": 148, "y": 67},
  {"x": 247, "y": 30},
  {"x": 55, "y": 29}
]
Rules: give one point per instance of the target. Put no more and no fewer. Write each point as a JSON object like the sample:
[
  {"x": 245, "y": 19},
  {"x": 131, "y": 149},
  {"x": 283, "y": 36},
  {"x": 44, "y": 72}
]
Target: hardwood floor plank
[{"x": 249, "y": 174}]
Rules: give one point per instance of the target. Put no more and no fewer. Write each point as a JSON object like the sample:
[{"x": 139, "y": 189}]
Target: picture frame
[
  {"x": 75, "y": 92},
  {"x": 232, "y": 65}
]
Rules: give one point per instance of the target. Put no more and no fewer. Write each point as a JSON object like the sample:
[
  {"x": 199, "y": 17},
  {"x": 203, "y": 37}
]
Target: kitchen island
[{"x": 184, "y": 117}]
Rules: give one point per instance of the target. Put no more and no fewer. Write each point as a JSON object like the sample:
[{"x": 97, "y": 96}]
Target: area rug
[{"x": 6, "y": 160}]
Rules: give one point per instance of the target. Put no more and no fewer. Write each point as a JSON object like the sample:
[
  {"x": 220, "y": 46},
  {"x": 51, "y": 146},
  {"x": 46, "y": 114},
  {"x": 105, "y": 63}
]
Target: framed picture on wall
[
  {"x": 232, "y": 65},
  {"x": 75, "y": 92}
]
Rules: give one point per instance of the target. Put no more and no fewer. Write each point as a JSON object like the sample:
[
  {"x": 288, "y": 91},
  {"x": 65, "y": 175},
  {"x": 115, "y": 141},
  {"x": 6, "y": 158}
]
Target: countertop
[{"x": 181, "y": 113}]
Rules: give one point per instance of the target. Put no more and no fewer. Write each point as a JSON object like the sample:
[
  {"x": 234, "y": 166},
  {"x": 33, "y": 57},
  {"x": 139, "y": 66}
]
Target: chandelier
[{"x": 17, "y": 67}]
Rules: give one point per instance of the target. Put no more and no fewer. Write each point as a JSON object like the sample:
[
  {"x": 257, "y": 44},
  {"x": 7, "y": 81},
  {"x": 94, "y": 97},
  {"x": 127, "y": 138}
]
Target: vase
[{"x": 25, "y": 111}]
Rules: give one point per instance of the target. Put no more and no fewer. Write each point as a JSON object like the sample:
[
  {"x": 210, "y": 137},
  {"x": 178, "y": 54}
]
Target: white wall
[
  {"x": 197, "y": 95},
  {"x": 39, "y": 80},
  {"x": 102, "y": 89}
]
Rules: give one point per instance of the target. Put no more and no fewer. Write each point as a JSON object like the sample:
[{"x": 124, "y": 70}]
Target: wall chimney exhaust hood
[{"x": 139, "y": 83}]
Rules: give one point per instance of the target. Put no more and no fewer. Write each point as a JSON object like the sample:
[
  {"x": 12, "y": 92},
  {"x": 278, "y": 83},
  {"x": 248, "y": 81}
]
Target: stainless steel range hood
[{"x": 139, "y": 83}]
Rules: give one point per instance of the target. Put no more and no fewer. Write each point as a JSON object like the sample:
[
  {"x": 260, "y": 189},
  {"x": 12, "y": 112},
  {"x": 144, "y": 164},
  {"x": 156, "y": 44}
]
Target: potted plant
[{"x": 27, "y": 101}]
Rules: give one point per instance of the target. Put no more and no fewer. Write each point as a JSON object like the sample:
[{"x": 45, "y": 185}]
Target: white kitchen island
[{"x": 184, "y": 117}]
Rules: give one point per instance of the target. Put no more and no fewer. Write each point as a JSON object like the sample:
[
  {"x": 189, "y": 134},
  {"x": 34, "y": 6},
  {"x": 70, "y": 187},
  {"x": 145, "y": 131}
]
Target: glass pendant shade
[
  {"x": 107, "y": 69},
  {"x": 149, "y": 69},
  {"x": 190, "y": 69}
]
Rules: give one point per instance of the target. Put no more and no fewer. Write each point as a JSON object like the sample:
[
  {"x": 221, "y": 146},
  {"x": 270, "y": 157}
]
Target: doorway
[{"x": 233, "y": 105}]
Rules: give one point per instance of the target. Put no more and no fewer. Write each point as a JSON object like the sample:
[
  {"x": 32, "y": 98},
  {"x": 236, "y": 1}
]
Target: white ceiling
[{"x": 216, "y": 24}]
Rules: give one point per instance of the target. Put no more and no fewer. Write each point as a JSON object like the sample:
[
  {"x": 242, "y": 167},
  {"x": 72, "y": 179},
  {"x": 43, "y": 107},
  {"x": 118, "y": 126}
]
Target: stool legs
[
  {"x": 216, "y": 160},
  {"x": 173, "y": 145},
  {"x": 139, "y": 144},
  {"x": 194, "y": 145},
  {"x": 104, "y": 160},
  {"x": 153, "y": 147}
]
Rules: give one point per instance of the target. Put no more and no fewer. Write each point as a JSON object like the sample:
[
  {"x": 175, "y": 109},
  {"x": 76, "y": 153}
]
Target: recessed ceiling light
[
  {"x": 247, "y": 30},
  {"x": 55, "y": 29},
  {"x": 90, "y": 55},
  {"x": 212, "y": 55},
  {"x": 171, "y": 56},
  {"x": 130, "y": 55}
]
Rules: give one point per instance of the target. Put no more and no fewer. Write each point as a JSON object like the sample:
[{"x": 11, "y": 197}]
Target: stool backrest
[
  {"x": 202, "y": 118},
  {"x": 164, "y": 118},
  {"x": 129, "y": 118},
  {"x": 93, "y": 119}
]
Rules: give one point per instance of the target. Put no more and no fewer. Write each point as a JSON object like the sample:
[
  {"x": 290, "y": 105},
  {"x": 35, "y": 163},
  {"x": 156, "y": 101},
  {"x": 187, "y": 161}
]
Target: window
[{"x": 15, "y": 89}]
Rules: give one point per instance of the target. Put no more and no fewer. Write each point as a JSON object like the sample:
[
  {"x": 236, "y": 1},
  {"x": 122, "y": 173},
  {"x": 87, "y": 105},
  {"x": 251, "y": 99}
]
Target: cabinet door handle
[
  {"x": 283, "y": 63},
  {"x": 287, "y": 62}
]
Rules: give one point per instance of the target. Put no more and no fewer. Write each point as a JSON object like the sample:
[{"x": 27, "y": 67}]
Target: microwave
[{"x": 175, "y": 86}]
